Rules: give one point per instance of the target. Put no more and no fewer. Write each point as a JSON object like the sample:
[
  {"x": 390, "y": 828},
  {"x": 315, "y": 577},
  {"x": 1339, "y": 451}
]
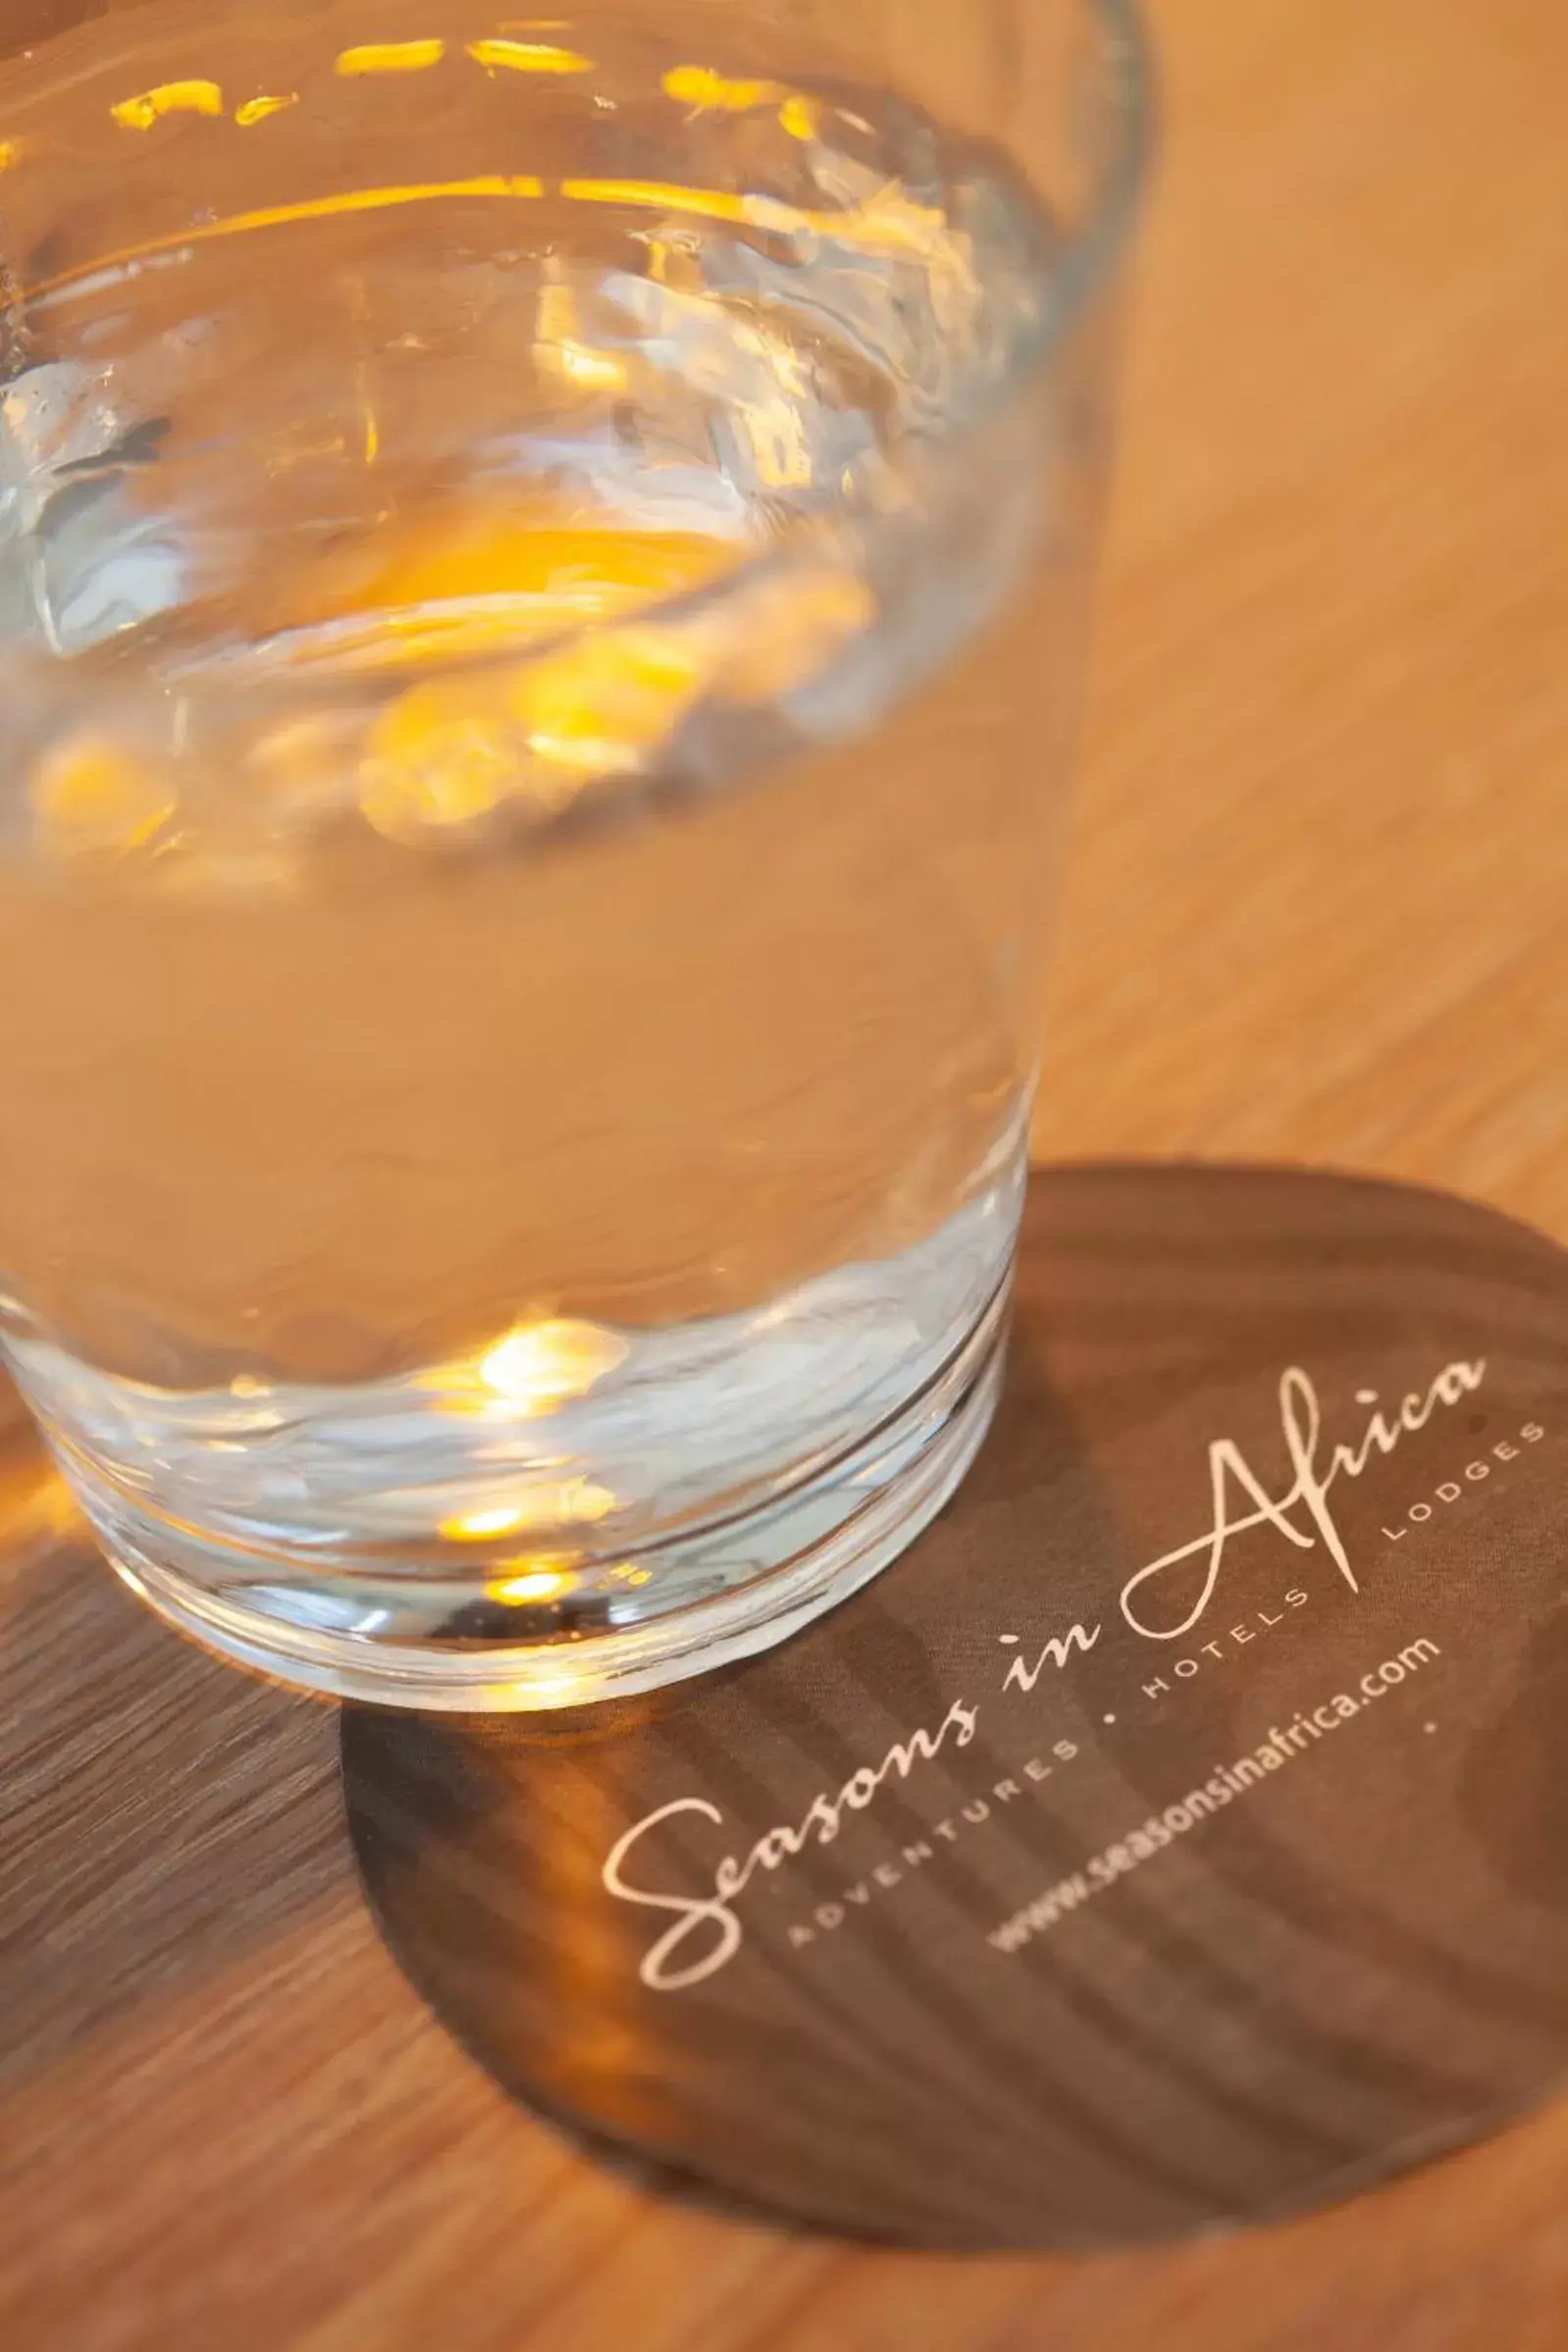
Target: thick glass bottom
[{"x": 454, "y": 1648}]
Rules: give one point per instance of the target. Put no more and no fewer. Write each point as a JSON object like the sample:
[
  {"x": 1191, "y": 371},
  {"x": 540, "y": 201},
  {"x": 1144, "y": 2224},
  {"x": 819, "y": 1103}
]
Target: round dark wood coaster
[{"x": 1178, "y": 1835}]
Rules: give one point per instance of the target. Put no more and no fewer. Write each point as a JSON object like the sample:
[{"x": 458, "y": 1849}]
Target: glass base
[{"x": 814, "y": 1546}]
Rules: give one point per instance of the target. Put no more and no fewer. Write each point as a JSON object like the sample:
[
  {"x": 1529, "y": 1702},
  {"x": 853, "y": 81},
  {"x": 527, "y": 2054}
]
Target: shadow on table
[
  {"x": 1323, "y": 1978},
  {"x": 160, "y": 1815}
]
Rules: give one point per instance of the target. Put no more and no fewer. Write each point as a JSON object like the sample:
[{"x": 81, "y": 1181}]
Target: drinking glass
[{"x": 544, "y": 571}]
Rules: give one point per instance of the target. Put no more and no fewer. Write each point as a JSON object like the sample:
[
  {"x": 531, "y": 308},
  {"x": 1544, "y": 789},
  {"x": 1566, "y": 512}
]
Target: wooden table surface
[{"x": 1319, "y": 910}]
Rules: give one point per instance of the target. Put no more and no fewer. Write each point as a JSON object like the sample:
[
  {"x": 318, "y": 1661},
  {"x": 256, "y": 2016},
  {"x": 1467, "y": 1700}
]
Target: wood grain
[
  {"x": 1300, "y": 1996},
  {"x": 1318, "y": 909}
]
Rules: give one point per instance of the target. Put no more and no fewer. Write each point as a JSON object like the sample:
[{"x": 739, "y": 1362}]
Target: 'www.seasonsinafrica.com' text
[{"x": 1222, "y": 1788}]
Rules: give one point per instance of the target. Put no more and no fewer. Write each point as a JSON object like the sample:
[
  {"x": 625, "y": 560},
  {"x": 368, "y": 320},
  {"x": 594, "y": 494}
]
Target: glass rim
[
  {"x": 1088, "y": 258},
  {"x": 1098, "y": 246}
]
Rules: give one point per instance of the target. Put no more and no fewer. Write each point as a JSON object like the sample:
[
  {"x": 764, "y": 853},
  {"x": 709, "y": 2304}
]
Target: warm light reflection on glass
[
  {"x": 536, "y": 1369},
  {"x": 557, "y": 1689},
  {"x": 369, "y": 421},
  {"x": 594, "y": 371},
  {"x": 90, "y": 796},
  {"x": 601, "y": 705},
  {"x": 452, "y": 750},
  {"x": 170, "y": 98},
  {"x": 782, "y": 447},
  {"x": 540, "y": 1366},
  {"x": 312, "y": 208},
  {"x": 442, "y": 754},
  {"x": 559, "y": 346},
  {"x": 801, "y": 117},
  {"x": 567, "y": 573},
  {"x": 391, "y": 57},
  {"x": 35, "y": 1503},
  {"x": 571, "y": 1502},
  {"x": 712, "y": 93},
  {"x": 477, "y": 1527},
  {"x": 889, "y": 222},
  {"x": 449, "y": 752},
  {"x": 257, "y": 110},
  {"x": 705, "y": 203},
  {"x": 10, "y": 153},
  {"x": 529, "y": 1587},
  {"x": 527, "y": 57}
]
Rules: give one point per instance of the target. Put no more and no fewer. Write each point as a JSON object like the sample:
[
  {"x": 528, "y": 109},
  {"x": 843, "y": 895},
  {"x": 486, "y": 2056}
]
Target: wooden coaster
[{"x": 1177, "y": 1835}]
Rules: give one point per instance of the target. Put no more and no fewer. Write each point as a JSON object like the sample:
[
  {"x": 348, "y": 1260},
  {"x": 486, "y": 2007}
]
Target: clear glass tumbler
[{"x": 544, "y": 572}]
